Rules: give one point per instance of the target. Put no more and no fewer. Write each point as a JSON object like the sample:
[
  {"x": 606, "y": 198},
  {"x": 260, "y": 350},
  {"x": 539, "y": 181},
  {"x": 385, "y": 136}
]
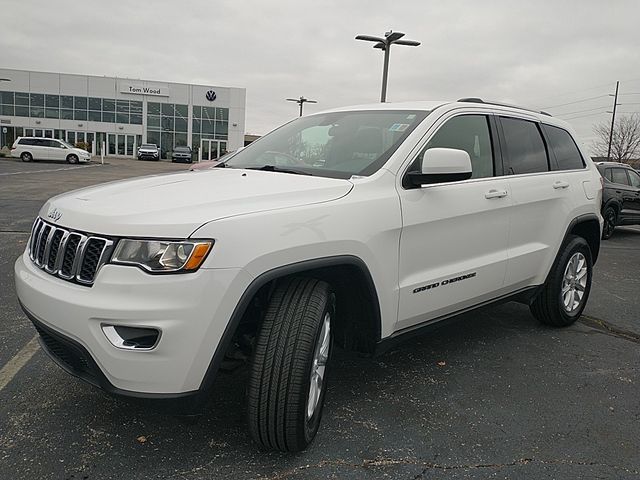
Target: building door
[
  {"x": 212, "y": 149},
  {"x": 111, "y": 144},
  {"x": 130, "y": 145}
]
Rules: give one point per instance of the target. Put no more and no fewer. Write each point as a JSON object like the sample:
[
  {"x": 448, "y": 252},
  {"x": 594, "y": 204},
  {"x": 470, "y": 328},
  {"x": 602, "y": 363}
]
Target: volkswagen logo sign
[{"x": 211, "y": 95}]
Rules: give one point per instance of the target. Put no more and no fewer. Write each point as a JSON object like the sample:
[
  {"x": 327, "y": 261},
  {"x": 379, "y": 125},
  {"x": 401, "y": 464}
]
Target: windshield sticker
[{"x": 398, "y": 127}]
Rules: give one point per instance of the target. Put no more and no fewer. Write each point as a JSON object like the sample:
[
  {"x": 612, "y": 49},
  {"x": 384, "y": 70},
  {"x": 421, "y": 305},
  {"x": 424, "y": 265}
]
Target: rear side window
[
  {"x": 564, "y": 148},
  {"x": 525, "y": 148},
  {"x": 619, "y": 175},
  {"x": 471, "y": 134},
  {"x": 26, "y": 141}
]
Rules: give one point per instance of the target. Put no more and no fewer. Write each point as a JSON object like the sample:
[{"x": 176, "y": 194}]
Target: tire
[
  {"x": 26, "y": 157},
  {"x": 72, "y": 159},
  {"x": 292, "y": 347},
  {"x": 610, "y": 219},
  {"x": 553, "y": 308}
]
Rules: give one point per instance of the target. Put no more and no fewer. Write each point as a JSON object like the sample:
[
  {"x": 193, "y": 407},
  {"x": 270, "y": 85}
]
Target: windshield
[
  {"x": 336, "y": 145},
  {"x": 182, "y": 149},
  {"x": 148, "y": 145}
]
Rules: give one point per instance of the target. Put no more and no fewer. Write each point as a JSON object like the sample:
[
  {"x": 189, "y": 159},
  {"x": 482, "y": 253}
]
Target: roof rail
[{"x": 479, "y": 100}]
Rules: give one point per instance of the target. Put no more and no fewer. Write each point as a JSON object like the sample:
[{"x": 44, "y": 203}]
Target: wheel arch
[
  {"x": 359, "y": 316},
  {"x": 588, "y": 227}
]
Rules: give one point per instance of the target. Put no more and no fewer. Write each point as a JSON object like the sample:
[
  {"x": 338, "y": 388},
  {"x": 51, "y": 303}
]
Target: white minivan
[{"x": 38, "y": 148}]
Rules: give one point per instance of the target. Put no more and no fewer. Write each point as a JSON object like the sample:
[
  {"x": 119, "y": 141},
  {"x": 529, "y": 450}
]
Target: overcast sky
[{"x": 542, "y": 54}]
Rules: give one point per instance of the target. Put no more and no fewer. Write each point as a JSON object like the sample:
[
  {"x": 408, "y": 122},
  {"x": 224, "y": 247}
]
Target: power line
[
  {"x": 583, "y": 116},
  {"x": 577, "y": 101},
  {"x": 582, "y": 111}
]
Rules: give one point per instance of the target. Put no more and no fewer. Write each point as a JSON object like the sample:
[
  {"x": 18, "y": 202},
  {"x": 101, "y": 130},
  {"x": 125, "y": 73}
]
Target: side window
[
  {"x": 609, "y": 175},
  {"x": 54, "y": 144},
  {"x": 524, "y": 147},
  {"x": 619, "y": 175},
  {"x": 564, "y": 148},
  {"x": 469, "y": 133},
  {"x": 635, "y": 179}
]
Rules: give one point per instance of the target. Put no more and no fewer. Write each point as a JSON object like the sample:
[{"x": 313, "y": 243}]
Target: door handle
[
  {"x": 493, "y": 193},
  {"x": 560, "y": 184}
]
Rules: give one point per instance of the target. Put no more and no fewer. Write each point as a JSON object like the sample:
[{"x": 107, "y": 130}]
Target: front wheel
[
  {"x": 610, "y": 220},
  {"x": 288, "y": 378},
  {"x": 564, "y": 295},
  {"x": 72, "y": 159}
]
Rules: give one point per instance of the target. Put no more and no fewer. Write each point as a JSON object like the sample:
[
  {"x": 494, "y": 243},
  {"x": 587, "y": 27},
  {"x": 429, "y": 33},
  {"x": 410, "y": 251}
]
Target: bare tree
[{"x": 625, "y": 143}]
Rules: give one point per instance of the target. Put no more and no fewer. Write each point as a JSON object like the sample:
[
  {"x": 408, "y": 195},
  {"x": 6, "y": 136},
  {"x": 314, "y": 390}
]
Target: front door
[
  {"x": 634, "y": 178},
  {"x": 454, "y": 240}
]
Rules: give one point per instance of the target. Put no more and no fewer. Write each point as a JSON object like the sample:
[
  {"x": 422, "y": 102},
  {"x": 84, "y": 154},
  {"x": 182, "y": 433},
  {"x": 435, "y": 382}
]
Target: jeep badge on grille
[{"x": 55, "y": 215}]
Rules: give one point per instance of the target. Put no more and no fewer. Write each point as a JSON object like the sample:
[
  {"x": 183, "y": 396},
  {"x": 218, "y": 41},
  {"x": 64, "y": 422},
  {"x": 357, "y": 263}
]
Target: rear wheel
[
  {"x": 288, "y": 376},
  {"x": 610, "y": 219},
  {"x": 565, "y": 293},
  {"x": 72, "y": 159},
  {"x": 26, "y": 157}
]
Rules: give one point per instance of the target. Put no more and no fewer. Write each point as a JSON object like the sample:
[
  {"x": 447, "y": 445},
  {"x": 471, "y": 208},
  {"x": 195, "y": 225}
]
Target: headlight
[{"x": 162, "y": 256}]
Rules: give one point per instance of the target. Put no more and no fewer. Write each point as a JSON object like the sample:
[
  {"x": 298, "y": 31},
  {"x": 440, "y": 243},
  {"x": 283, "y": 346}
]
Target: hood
[
  {"x": 81, "y": 152},
  {"x": 175, "y": 205}
]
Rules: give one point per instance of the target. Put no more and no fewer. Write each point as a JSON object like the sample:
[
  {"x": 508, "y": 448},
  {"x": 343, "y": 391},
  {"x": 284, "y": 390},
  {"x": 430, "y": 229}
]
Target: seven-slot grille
[{"x": 70, "y": 255}]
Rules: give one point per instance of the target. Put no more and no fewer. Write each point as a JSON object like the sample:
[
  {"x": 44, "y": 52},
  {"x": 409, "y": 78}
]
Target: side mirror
[{"x": 441, "y": 165}]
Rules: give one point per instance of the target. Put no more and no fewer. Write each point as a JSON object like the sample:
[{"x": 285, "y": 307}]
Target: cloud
[{"x": 541, "y": 53}]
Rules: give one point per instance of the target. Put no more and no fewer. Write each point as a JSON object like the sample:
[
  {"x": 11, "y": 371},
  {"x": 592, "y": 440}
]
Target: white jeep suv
[
  {"x": 356, "y": 226},
  {"x": 38, "y": 148}
]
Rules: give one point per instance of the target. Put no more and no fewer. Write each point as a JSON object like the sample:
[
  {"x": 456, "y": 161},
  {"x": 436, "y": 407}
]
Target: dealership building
[{"x": 116, "y": 115}]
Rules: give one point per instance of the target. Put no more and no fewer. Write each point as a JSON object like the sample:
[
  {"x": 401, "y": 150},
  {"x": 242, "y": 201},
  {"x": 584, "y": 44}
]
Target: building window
[{"x": 167, "y": 125}]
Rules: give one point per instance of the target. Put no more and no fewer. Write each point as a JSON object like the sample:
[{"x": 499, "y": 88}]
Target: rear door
[
  {"x": 634, "y": 206},
  {"x": 56, "y": 150},
  {"x": 39, "y": 148},
  {"x": 544, "y": 184},
  {"x": 621, "y": 183},
  {"x": 453, "y": 245}
]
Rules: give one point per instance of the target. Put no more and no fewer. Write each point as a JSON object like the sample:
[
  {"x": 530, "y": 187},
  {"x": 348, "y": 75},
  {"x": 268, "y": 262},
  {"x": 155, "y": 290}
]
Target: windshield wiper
[{"x": 273, "y": 168}]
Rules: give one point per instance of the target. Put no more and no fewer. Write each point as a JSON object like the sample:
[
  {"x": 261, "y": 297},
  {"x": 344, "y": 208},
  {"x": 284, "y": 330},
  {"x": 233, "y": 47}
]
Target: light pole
[
  {"x": 384, "y": 44},
  {"x": 300, "y": 101}
]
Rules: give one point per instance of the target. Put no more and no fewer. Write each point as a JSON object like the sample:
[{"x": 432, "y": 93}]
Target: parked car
[
  {"x": 357, "y": 226},
  {"x": 148, "y": 151},
  {"x": 181, "y": 154},
  {"x": 621, "y": 196},
  {"x": 38, "y": 148}
]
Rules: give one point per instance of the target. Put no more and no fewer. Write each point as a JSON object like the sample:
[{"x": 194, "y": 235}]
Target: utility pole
[
  {"x": 384, "y": 44},
  {"x": 300, "y": 101},
  {"x": 613, "y": 119}
]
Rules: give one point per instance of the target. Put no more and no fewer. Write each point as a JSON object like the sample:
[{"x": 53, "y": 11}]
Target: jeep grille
[{"x": 70, "y": 255}]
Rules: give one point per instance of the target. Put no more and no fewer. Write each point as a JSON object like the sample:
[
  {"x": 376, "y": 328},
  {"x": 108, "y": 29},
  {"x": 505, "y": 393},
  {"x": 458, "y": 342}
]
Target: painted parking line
[
  {"x": 21, "y": 358},
  {"x": 50, "y": 170}
]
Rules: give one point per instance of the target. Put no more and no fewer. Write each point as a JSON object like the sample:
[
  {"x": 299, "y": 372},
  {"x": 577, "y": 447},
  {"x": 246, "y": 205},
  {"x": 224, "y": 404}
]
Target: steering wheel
[{"x": 291, "y": 161}]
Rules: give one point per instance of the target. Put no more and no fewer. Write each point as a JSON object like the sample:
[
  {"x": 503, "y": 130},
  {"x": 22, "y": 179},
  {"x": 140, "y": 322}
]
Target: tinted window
[
  {"x": 608, "y": 175},
  {"x": 564, "y": 148},
  {"x": 635, "y": 179},
  {"x": 26, "y": 141},
  {"x": 524, "y": 147},
  {"x": 469, "y": 133},
  {"x": 619, "y": 175},
  {"x": 53, "y": 143}
]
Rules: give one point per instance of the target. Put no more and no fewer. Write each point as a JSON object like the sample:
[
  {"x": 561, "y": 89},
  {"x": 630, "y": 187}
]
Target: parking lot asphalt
[{"x": 491, "y": 395}]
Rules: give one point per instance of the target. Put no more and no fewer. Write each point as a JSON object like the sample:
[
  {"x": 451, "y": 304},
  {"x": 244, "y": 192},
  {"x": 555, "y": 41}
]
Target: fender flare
[{"x": 273, "y": 274}]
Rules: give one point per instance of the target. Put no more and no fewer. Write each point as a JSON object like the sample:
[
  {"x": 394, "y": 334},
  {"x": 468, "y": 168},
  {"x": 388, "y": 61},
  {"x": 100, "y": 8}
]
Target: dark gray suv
[
  {"x": 620, "y": 197},
  {"x": 181, "y": 154}
]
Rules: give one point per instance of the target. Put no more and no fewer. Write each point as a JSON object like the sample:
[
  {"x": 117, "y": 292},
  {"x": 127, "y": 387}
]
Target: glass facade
[
  {"x": 167, "y": 124},
  {"x": 68, "y": 107}
]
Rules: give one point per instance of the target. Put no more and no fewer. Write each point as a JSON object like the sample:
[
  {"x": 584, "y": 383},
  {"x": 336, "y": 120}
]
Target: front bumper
[{"x": 191, "y": 311}]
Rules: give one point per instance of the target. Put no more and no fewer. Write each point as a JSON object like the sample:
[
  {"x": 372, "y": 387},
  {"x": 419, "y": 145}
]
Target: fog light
[{"x": 132, "y": 338}]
